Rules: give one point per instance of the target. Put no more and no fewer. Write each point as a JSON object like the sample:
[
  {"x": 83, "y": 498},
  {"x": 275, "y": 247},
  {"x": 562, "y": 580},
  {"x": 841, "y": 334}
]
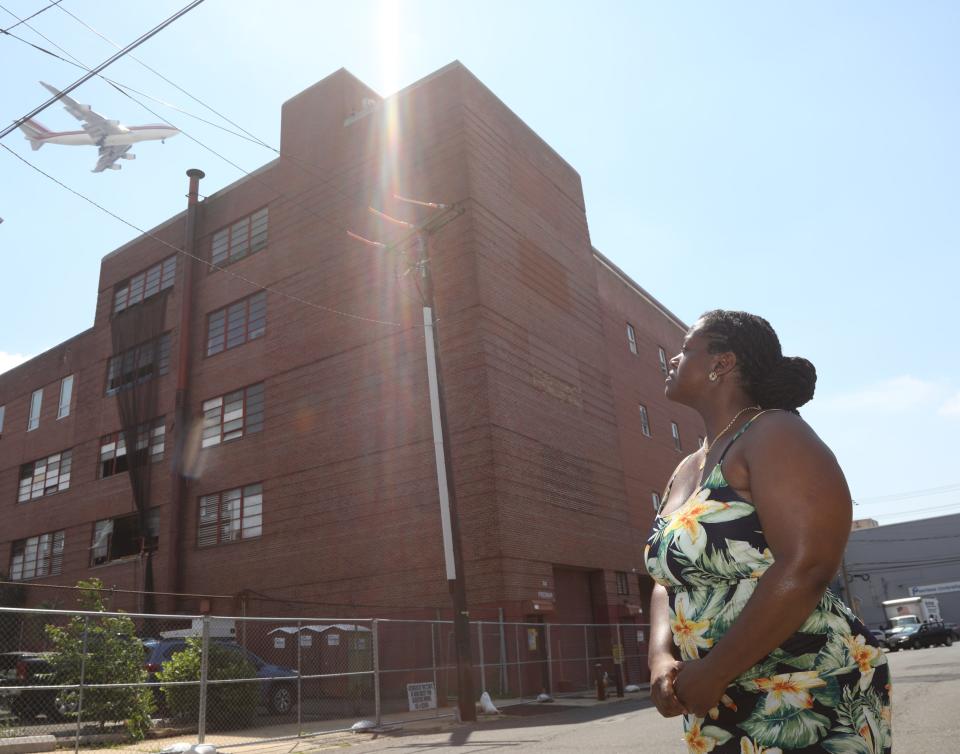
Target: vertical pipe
[
  {"x": 83, "y": 671},
  {"x": 181, "y": 409},
  {"x": 376, "y": 670},
  {"x": 204, "y": 671},
  {"x": 433, "y": 656},
  {"x": 299, "y": 679}
]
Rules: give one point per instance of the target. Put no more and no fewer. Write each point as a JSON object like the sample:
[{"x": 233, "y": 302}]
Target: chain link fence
[{"x": 138, "y": 682}]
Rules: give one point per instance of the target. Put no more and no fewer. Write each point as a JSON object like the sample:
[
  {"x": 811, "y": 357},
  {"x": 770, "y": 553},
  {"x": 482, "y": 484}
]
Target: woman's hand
[
  {"x": 697, "y": 687},
  {"x": 662, "y": 676}
]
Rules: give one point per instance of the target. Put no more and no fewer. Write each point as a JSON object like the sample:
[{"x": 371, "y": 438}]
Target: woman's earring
[{"x": 713, "y": 376}]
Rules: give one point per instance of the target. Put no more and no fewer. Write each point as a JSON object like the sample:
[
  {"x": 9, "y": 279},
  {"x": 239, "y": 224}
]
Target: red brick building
[{"x": 312, "y": 486}]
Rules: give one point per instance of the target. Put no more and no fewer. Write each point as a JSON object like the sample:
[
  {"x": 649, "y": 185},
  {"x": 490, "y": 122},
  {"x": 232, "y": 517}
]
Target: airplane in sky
[{"x": 114, "y": 139}]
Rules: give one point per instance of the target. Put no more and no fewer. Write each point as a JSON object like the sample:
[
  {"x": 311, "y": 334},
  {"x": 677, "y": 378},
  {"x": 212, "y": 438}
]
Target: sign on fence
[
  {"x": 618, "y": 654},
  {"x": 421, "y": 696}
]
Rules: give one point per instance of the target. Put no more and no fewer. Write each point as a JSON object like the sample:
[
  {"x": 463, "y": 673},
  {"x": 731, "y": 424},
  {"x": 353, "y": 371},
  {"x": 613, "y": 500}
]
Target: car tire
[
  {"x": 283, "y": 698},
  {"x": 915, "y": 645},
  {"x": 948, "y": 642}
]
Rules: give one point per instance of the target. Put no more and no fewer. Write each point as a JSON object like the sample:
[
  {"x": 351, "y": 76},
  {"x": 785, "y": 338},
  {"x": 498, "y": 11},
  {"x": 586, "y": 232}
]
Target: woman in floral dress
[{"x": 747, "y": 642}]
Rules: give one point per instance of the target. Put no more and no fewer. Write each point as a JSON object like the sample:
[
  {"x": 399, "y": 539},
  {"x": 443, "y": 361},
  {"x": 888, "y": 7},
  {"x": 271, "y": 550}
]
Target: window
[
  {"x": 145, "y": 284},
  {"x": 699, "y": 441},
  {"x": 676, "y": 435},
  {"x": 244, "y": 237},
  {"x": 138, "y": 364},
  {"x": 237, "y": 323},
  {"x": 36, "y": 401},
  {"x": 233, "y": 415},
  {"x": 655, "y": 499},
  {"x": 632, "y": 338},
  {"x": 623, "y": 585},
  {"x": 45, "y": 477},
  {"x": 3, "y": 410},
  {"x": 644, "y": 420},
  {"x": 66, "y": 393},
  {"x": 116, "y": 538},
  {"x": 37, "y": 556},
  {"x": 113, "y": 447},
  {"x": 663, "y": 360},
  {"x": 230, "y": 515}
]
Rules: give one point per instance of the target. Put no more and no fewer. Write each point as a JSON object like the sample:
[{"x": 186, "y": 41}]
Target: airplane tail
[{"x": 35, "y": 133}]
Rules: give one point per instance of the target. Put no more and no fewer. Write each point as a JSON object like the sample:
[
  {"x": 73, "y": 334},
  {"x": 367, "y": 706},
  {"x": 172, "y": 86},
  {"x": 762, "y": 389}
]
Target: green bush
[
  {"x": 227, "y": 703},
  {"x": 114, "y": 655}
]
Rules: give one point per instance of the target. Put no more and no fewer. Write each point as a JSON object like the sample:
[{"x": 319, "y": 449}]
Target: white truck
[{"x": 910, "y": 611}]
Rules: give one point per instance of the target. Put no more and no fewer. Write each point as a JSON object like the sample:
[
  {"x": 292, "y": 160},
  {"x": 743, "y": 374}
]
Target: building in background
[
  {"x": 911, "y": 559},
  {"x": 311, "y": 485}
]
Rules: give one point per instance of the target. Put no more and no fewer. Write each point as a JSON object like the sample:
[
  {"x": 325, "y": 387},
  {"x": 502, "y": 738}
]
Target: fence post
[
  {"x": 623, "y": 658},
  {"x": 299, "y": 680},
  {"x": 204, "y": 667},
  {"x": 433, "y": 660},
  {"x": 504, "y": 680},
  {"x": 516, "y": 638},
  {"x": 83, "y": 671},
  {"x": 586, "y": 652},
  {"x": 549, "y": 661},
  {"x": 376, "y": 670},
  {"x": 483, "y": 674}
]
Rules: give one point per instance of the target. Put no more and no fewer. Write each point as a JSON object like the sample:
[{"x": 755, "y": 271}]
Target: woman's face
[{"x": 689, "y": 369}]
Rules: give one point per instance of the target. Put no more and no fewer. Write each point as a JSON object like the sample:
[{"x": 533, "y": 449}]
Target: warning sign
[
  {"x": 618, "y": 654},
  {"x": 421, "y": 696}
]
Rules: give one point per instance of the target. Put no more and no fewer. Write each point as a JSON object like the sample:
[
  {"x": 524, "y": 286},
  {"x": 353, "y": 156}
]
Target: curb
[{"x": 23, "y": 744}]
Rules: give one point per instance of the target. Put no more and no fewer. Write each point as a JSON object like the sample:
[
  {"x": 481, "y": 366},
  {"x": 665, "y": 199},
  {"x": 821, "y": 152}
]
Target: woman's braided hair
[{"x": 769, "y": 378}]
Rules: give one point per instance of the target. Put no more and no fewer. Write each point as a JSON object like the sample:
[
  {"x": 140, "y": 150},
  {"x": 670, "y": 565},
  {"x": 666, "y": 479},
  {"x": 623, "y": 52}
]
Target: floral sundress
[{"x": 824, "y": 689}]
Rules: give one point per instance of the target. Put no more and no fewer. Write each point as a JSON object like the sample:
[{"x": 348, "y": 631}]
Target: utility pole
[
  {"x": 453, "y": 556},
  {"x": 449, "y": 520}
]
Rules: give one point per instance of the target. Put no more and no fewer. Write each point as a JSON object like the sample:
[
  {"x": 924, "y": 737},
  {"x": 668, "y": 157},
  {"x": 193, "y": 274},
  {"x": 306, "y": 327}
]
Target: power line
[
  {"x": 154, "y": 71},
  {"x": 904, "y": 539},
  {"x": 209, "y": 264},
  {"x": 112, "y": 59},
  {"x": 909, "y": 494},
  {"x": 118, "y": 84},
  {"x": 917, "y": 510},
  {"x": 53, "y": 4}
]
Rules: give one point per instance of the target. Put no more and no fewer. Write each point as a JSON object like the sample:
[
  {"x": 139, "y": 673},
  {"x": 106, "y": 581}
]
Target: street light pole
[{"x": 453, "y": 557}]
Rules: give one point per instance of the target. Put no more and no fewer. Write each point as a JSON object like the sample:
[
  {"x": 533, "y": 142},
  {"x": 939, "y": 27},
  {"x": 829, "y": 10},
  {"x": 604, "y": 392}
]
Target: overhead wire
[
  {"x": 53, "y": 4},
  {"x": 208, "y": 263}
]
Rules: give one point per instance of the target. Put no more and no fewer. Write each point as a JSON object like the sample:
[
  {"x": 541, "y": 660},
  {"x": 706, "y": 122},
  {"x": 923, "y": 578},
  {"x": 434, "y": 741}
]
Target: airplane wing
[
  {"x": 109, "y": 155},
  {"x": 93, "y": 123}
]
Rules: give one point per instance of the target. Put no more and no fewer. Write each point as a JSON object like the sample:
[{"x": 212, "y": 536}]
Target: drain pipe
[{"x": 181, "y": 415}]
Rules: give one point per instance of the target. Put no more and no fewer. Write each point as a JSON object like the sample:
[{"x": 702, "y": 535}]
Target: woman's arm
[
  {"x": 661, "y": 660},
  {"x": 804, "y": 506}
]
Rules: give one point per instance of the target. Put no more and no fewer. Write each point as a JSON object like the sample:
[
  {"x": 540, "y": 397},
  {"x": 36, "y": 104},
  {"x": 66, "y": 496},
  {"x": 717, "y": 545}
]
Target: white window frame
[
  {"x": 655, "y": 499},
  {"x": 675, "y": 431},
  {"x": 36, "y": 405},
  {"x": 663, "y": 360},
  {"x": 3, "y": 411},
  {"x": 632, "y": 339},
  {"x": 644, "y": 419},
  {"x": 45, "y": 553},
  {"x": 66, "y": 397}
]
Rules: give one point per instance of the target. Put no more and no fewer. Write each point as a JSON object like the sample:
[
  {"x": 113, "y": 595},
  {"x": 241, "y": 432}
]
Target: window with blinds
[
  {"x": 37, "y": 556},
  {"x": 45, "y": 477},
  {"x": 237, "y": 323},
  {"x": 151, "y": 438},
  {"x": 240, "y": 239},
  {"x": 230, "y": 516},
  {"x": 232, "y": 416},
  {"x": 138, "y": 364},
  {"x": 145, "y": 284}
]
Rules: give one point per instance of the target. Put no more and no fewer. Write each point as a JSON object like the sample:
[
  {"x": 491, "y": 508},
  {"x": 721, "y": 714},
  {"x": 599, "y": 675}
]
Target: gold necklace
[{"x": 707, "y": 444}]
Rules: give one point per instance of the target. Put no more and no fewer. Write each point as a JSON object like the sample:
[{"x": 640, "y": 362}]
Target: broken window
[{"x": 116, "y": 538}]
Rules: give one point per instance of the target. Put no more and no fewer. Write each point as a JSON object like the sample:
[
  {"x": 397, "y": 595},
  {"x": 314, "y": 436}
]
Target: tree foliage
[{"x": 114, "y": 654}]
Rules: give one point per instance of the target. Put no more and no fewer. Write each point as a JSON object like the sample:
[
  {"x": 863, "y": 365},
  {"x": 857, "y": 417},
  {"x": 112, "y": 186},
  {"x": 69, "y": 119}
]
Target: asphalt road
[{"x": 926, "y": 720}]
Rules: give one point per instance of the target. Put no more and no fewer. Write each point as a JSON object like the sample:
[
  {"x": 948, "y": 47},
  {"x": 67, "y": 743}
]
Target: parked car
[
  {"x": 19, "y": 671},
  {"x": 880, "y": 636},
  {"x": 278, "y": 689},
  {"x": 926, "y": 634}
]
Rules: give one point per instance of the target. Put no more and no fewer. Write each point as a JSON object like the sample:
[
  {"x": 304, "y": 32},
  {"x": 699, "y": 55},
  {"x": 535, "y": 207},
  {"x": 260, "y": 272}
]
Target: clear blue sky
[{"x": 797, "y": 160}]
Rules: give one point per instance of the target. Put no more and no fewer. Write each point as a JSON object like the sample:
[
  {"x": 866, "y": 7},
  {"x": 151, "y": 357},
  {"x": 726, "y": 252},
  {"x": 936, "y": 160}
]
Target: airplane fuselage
[{"x": 131, "y": 135}]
